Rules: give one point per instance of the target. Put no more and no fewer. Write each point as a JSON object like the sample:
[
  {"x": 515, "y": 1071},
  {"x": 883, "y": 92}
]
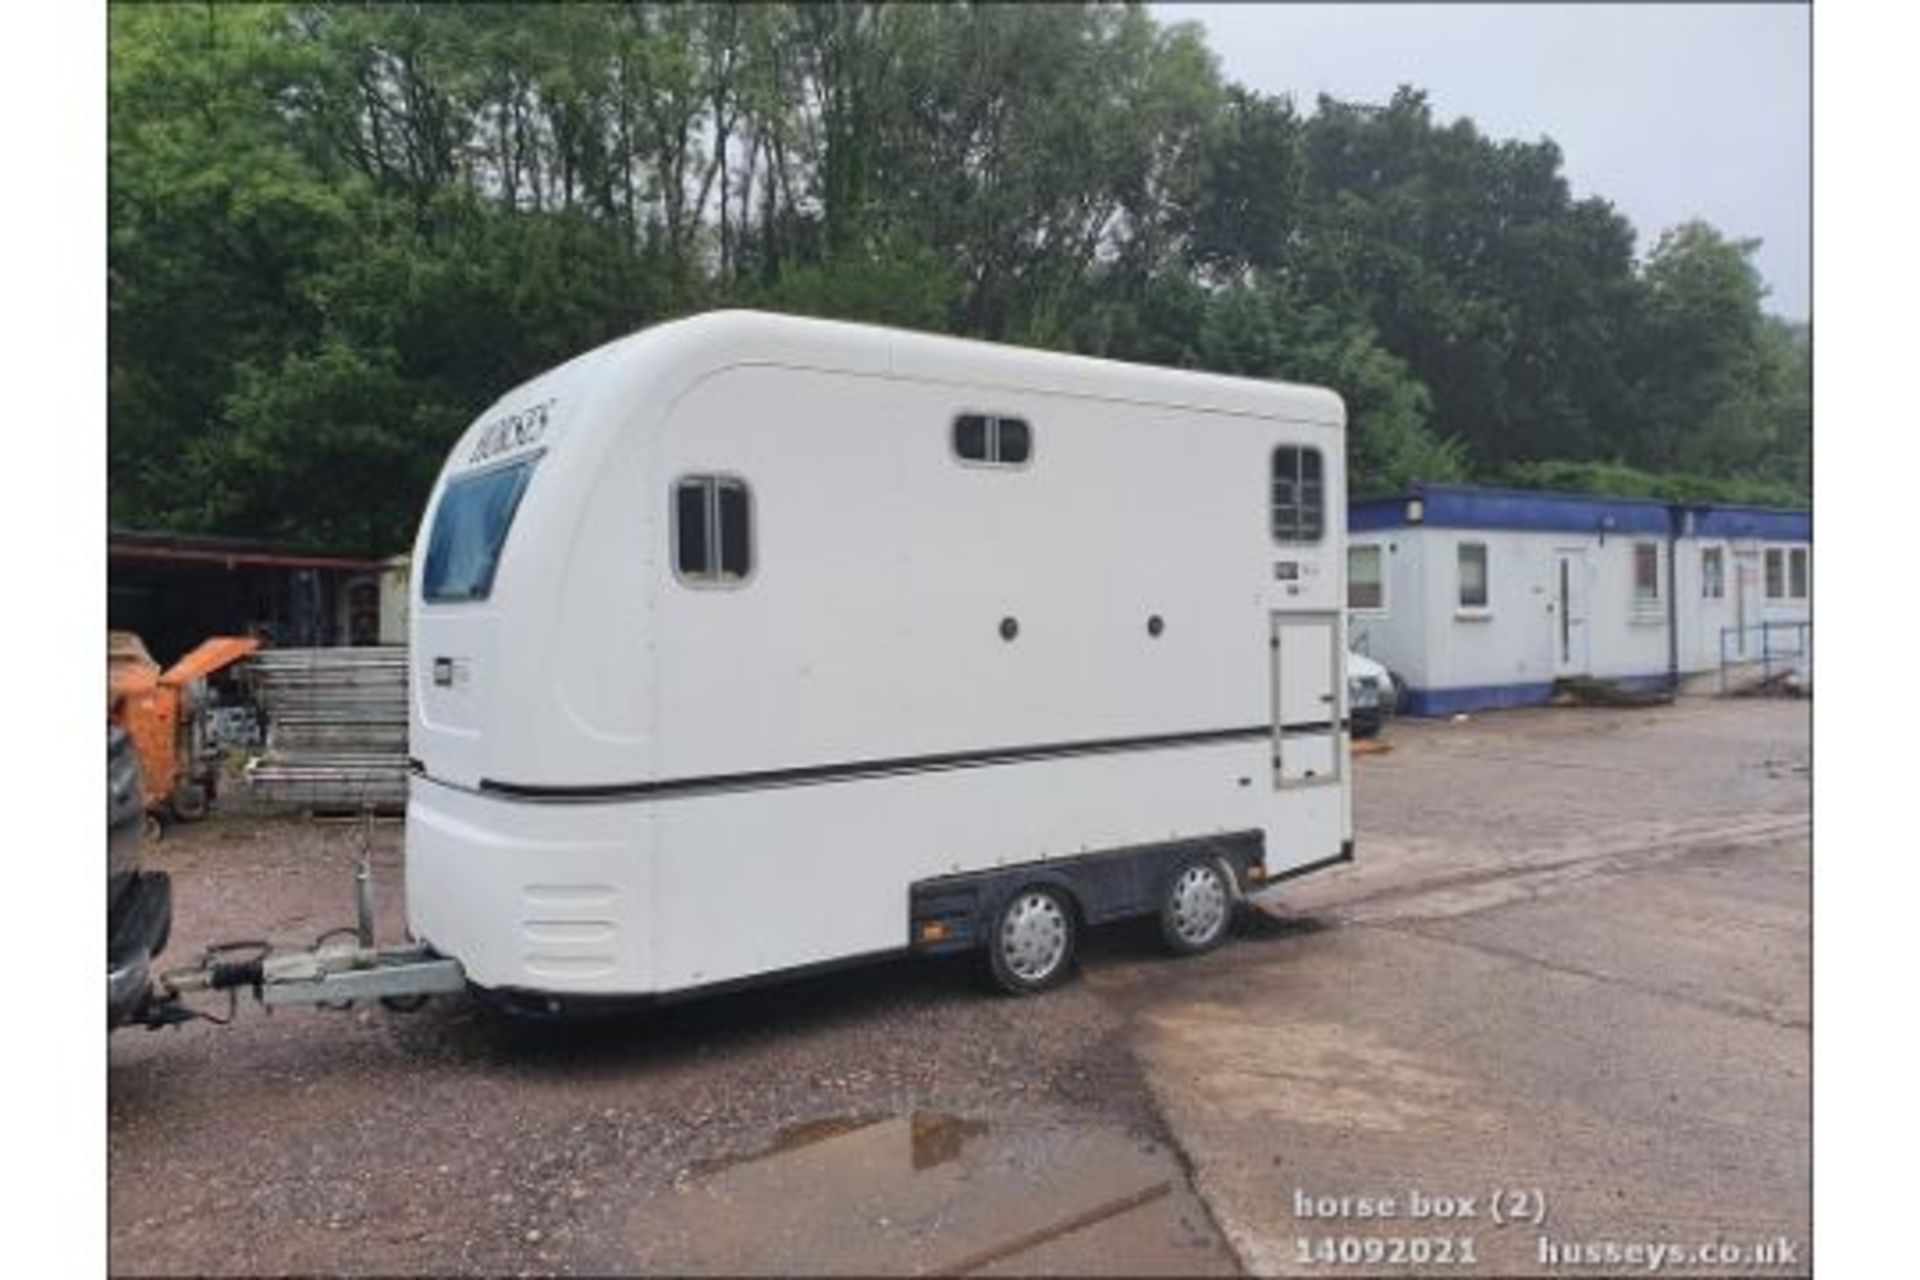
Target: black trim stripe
[
  {"x": 1345, "y": 855},
  {"x": 816, "y": 774}
]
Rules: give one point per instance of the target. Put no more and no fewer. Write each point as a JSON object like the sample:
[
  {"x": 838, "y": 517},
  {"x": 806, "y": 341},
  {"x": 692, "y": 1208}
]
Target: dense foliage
[{"x": 337, "y": 233}]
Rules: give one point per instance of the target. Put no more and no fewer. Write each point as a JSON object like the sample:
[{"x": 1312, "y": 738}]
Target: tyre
[
  {"x": 1196, "y": 908},
  {"x": 1032, "y": 943},
  {"x": 189, "y": 802}
]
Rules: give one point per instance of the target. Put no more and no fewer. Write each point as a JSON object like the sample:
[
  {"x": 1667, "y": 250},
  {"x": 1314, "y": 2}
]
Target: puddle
[
  {"x": 791, "y": 1138},
  {"x": 934, "y": 1138},
  {"x": 933, "y": 1193}
]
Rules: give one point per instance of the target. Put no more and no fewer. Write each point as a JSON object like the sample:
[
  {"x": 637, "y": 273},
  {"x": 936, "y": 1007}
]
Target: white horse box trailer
[{"x": 749, "y": 644}]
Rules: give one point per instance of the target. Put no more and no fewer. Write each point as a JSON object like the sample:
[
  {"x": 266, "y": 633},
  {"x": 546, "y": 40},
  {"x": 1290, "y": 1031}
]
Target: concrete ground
[
  {"x": 1571, "y": 966},
  {"x": 1568, "y": 977}
]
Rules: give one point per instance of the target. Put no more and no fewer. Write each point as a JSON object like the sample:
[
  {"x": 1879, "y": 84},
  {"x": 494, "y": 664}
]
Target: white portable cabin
[
  {"x": 750, "y": 643},
  {"x": 1482, "y": 598}
]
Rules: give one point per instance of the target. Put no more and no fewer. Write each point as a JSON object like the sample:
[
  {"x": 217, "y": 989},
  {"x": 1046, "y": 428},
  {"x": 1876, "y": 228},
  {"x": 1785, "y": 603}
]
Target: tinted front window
[{"x": 468, "y": 531}]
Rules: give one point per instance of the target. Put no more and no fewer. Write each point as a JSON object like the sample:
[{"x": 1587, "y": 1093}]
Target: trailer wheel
[
  {"x": 1197, "y": 910},
  {"x": 1033, "y": 940}
]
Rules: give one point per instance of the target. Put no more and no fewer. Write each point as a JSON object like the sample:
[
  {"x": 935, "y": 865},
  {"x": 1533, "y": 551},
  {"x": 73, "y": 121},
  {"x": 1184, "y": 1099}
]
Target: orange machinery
[{"x": 164, "y": 713}]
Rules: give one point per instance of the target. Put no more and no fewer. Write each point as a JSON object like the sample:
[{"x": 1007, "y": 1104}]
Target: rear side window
[
  {"x": 997, "y": 442},
  {"x": 712, "y": 530},
  {"x": 1299, "y": 495},
  {"x": 470, "y": 527}
]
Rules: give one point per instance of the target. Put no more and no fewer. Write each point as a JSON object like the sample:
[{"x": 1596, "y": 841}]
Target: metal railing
[{"x": 1770, "y": 654}]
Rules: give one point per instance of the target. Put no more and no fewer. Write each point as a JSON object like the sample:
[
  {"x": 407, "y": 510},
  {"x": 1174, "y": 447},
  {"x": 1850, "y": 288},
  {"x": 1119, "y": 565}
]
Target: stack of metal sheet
[{"x": 336, "y": 728}]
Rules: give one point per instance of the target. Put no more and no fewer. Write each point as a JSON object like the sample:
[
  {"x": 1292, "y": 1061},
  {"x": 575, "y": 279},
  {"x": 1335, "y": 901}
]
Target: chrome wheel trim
[
  {"x": 1199, "y": 902},
  {"x": 1033, "y": 936}
]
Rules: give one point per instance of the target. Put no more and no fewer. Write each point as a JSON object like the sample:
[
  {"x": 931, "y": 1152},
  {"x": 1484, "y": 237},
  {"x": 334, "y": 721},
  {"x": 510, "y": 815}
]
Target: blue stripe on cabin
[
  {"x": 1469, "y": 507},
  {"x": 1769, "y": 524},
  {"x": 1478, "y": 697},
  {"x": 1486, "y": 697}
]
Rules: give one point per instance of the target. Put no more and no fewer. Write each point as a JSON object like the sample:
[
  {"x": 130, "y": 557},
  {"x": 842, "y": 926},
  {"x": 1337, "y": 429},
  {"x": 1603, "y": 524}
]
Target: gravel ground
[{"x": 454, "y": 1139}]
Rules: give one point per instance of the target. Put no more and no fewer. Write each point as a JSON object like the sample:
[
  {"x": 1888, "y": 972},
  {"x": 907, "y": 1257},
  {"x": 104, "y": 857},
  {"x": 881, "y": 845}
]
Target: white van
[{"x": 750, "y": 644}]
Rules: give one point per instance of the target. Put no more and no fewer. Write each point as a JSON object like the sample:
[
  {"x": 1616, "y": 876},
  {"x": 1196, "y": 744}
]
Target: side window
[
  {"x": 1797, "y": 573},
  {"x": 1776, "y": 576},
  {"x": 995, "y": 442},
  {"x": 1646, "y": 572},
  {"x": 1713, "y": 573},
  {"x": 1473, "y": 575},
  {"x": 1299, "y": 495},
  {"x": 1366, "y": 578},
  {"x": 712, "y": 530}
]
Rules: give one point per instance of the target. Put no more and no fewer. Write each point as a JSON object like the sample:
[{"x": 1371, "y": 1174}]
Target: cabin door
[
  {"x": 1746, "y": 597},
  {"x": 1568, "y": 612},
  {"x": 1308, "y": 704}
]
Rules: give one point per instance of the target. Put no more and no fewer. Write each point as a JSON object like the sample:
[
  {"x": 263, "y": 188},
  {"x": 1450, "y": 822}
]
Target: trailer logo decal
[{"x": 514, "y": 431}]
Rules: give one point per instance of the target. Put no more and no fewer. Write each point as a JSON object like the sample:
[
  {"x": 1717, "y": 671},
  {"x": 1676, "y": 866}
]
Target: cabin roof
[{"x": 1447, "y": 506}]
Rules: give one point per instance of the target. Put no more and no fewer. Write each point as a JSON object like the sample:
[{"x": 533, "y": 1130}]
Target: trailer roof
[{"x": 720, "y": 339}]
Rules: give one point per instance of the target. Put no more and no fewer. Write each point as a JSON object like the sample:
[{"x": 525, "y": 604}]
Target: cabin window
[
  {"x": 712, "y": 530},
  {"x": 1472, "y": 561},
  {"x": 1797, "y": 573},
  {"x": 1776, "y": 574},
  {"x": 1299, "y": 495},
  {"x": 1713, "y": 573},
  {"x": 993, "y": 441},
  {"x": 469, "y": 529},
  {"x": 1366, "y": 581},
  {"x": 1646, "y": 572}
]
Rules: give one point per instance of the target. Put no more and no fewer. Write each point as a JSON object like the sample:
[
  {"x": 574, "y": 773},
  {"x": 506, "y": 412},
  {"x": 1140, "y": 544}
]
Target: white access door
[
  {"x": 1308, "y": 698},
  {"x": 1746, "y": 601},
  {"x": 1567, "y": 611}
]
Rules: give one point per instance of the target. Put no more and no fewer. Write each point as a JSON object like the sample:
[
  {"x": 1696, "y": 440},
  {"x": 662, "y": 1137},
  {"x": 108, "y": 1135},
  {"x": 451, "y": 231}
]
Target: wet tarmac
[{"x": 931, "y": 1193}]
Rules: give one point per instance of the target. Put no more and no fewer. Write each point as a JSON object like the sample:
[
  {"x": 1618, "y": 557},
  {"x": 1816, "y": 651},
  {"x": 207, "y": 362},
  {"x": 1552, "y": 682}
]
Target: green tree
[{"x": 336, "y": 233}]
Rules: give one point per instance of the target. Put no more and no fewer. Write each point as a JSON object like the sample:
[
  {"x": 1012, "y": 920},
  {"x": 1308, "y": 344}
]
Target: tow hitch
[{"x": 342, "y": 967}]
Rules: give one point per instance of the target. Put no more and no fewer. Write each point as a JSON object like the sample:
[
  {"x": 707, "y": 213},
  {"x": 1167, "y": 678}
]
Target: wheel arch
[{"x": 1098, "y": 887}]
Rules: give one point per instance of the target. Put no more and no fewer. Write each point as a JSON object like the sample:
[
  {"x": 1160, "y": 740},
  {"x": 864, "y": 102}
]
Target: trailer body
[{"x": 748, "y": 644}]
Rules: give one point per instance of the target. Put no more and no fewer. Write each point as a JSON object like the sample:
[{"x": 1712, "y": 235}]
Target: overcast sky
[{"x": 1669, "y": 111}]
